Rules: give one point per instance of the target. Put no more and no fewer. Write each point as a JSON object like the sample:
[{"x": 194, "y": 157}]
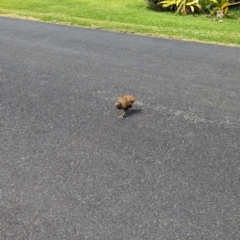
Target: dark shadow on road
[{"x": 133, "y": 112}]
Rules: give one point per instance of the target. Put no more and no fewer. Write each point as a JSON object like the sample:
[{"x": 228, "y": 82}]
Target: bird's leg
[
  {"x": 130, "y": 108},
  {"x": 122, "y": 115}
]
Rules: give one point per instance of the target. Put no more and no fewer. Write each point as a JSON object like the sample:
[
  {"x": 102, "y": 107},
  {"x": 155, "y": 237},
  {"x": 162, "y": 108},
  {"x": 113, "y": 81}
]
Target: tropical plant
[
  {"x": 206, "y": 5},
  {"x": 222, "y": 5},
  {"x": 182, "y": 6}
]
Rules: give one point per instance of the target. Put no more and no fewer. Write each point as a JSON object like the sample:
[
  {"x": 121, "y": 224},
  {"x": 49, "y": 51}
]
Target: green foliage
[
  {"x": 222, "y": 5},
  {"x": 206, "y": 5},
  {"x": 182, "y": 6},
  {"x": 187, "y": 6}
]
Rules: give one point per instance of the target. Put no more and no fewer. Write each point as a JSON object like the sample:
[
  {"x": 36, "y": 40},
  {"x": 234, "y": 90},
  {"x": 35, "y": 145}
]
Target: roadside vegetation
[
  {"x": 214, "y": 8},
  {"x": 189, "y": 19}
]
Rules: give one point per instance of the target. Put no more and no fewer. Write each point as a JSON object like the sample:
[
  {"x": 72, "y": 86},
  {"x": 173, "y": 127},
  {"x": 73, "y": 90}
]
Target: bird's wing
[
  {"x": 130, "y": 98},
  {"x": 122, "y": 99}
]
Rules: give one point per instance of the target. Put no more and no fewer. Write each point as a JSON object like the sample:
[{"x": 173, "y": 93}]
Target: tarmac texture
[{"x": 71, "y": 169}]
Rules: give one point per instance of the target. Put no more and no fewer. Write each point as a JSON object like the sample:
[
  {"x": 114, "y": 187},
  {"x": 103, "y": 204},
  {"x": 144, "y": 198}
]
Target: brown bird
[{"x": 125, "y": 102}]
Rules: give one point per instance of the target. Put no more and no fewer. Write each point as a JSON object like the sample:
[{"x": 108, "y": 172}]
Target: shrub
[
  {"x": 182, "y": 6},
  {"x": 206, "y": 5},
  {"x": 191, "y": 6},
  {"x": 222, "y": 6}
]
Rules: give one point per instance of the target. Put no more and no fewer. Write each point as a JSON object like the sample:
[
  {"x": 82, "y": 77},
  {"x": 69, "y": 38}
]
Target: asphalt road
[{"x": 71, "y": 169}]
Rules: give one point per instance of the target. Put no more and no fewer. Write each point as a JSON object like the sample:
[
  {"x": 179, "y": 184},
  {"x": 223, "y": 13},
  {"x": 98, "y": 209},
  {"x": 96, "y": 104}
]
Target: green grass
[{"x": 131, "y": 16}]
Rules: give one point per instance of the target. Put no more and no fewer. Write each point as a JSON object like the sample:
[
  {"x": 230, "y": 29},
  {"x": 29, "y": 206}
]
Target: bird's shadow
[{"x": 132, "y": 112}]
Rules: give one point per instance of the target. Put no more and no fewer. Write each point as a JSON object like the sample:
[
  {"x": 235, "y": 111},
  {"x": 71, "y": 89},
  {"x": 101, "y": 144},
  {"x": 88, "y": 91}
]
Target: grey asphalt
[{"x": 71, "y": 169}]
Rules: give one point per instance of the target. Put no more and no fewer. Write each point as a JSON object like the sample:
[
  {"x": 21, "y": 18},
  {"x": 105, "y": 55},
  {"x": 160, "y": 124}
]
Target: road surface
[{"x": 71, "y": 169}]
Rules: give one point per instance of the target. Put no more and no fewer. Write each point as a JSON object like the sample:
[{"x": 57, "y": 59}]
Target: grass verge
[{"x": 127, "y": 16}]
